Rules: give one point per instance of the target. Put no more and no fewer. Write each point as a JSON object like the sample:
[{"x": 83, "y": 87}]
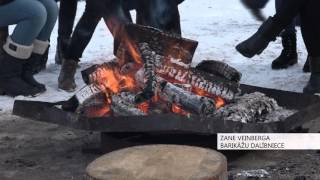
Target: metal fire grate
[{"x": 307, "y": 107}]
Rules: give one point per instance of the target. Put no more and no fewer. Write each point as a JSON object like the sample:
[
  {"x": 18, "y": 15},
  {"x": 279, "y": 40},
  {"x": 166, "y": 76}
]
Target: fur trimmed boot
[
  {"x": 35, "y": 63},
  {"x": 11, "y": 64}
]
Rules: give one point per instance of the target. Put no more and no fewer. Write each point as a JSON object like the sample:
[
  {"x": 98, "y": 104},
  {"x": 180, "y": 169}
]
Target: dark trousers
[
  {"x": 291, "y": 27},
  {"x": 67, "y": 13},
  {"x": 116, "y": 13},
  {"x": 310, "y": 26},
  {"x": 110, "y": 10}
]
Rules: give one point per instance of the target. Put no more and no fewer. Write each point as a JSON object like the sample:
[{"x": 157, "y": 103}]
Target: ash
[{"x": 254, "y": 108}]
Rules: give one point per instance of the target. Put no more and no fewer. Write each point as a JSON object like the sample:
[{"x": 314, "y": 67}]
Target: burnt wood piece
[
  {"x": 162, "y": 43},
  {"x": 214, "y": 84},
  {"x": 221, "y": 69},
  {"x": 121, "y": 107},
  {"x": 207, "y": 82},
  {"x": 91, "y": 74},
  {"x": 200, "y": 105},
  {"x": 149, "y": 59},
  {"x": 249, "y": 108},
  {"x": 84, "y": 94}
]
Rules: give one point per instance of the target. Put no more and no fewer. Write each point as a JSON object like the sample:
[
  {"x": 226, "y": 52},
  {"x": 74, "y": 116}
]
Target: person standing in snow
[
  {"x": 27, "y": 45},
  {"x": 67, "y": 14},
  {"x": 288, "y": 10},
  {"x": 162, "y": 14},
  {"x": 289, "y": 55}
]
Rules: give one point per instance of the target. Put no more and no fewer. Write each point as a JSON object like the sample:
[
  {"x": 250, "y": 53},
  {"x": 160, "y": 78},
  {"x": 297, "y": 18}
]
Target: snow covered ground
[{"x": 218, "y": 25}]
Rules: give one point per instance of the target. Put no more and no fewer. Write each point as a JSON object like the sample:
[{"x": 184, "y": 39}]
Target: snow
[{"x": 218, "y": 25}]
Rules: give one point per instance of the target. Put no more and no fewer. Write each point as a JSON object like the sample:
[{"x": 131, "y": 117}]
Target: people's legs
[
  {"x": 18, "y": 47},
  {"x": 162, "y": 14},
  {"x": 67, "y": 13},
  {"x": 52, "y": 14},
  {"x": 39, "y": 57},
  {"x": 116, "y": 17},
  {"x": 80, "y": 39},
  {"x": 288, "y": 56},
  {"x": 310, "y": 31},
  {"x": 30, "y": 20},
  {"x": 271, "y": 28}
]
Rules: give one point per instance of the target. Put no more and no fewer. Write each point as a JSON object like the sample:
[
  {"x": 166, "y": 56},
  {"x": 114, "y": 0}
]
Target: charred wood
[
  {"x": 207, "y": 82},
  {"x": 92, "y": 74},
  {"x": 162, "y": 43},
  {"x": 121, "y": 107},
  {"x": 220, "y": 69},
  {"x": 187, "y": 100},
  {"x": 81, "y": 96},
  {"x": 249, "y": 108}
]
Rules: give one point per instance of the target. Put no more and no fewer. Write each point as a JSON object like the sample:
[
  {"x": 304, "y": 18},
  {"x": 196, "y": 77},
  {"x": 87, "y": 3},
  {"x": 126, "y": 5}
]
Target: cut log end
[{"x": 160, "y": 162}]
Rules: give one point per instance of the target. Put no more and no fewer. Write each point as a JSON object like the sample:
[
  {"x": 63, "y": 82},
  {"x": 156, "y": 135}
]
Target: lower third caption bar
[{"x": 283, "y": 141}]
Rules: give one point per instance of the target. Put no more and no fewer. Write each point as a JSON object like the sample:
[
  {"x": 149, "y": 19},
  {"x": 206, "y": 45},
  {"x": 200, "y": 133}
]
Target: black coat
[{"x": 3, "y": 2}]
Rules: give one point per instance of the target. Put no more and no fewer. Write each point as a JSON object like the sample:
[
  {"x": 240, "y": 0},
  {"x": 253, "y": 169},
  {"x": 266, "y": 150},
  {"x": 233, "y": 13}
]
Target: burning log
[
  {"x": 96, "y": 106},
  {"x": 93, "y": 73},
  {"x": 122, "y": 107},
  {"x": 81, "y": 96},
  {"x": 150, "y": 59},
  {"x": 220, "y": 69},
  {"x": 214, "y": 85},
  {"x": 164, "y": 44},
  {"x": 250, "y": 108},
  {"x": 208, "y": 84},
  {"x": 193, "y": 103}
]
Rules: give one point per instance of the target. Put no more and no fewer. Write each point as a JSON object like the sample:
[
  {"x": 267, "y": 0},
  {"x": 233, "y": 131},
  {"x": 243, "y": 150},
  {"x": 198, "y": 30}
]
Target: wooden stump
[{"x": 160, "y": 162}]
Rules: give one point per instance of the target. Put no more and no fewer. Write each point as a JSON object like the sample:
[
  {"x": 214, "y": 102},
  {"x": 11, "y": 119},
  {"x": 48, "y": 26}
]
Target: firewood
[
  {"x": 81, "y": 96},
  {"x": 187, "y": 100},
  {"x": 220, "y": 69},
  {"x": 162, "y": 43},
  {"x": 210, "y": 83},
  {"x": 150, "y": 59},
  {"x": 249, "y": 108},
  {"x": 121, "y": 107}
]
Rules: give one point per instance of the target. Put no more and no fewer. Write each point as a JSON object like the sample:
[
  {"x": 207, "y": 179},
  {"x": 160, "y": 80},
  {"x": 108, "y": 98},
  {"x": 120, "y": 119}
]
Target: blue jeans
[
  {"x": 291, "y": 27},
  {"x": 35, "y": 19}
]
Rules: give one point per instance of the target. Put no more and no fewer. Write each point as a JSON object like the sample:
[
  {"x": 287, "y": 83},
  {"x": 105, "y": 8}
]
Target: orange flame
[{"x": 110, "y": 80}]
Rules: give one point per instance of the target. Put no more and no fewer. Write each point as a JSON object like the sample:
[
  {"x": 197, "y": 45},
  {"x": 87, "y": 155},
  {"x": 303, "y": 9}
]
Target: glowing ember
[
  {"x": 144, "y": 107},
  {"x": 98, "y": 111},
  {"x": 178, "y": 110}
]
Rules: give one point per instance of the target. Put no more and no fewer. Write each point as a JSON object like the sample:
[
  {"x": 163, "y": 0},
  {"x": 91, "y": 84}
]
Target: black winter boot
[
  {"x": 39, "y": 56},
  {"x": 61, "y": 47},
  {"x": 267, "y": 32},
  {"x": 306, "y": 67},
  {"x": 288, "y": 56},
  {"x": 66, "y": 79},
  {"x": 28, "y": 71},
  {"x": 11, "y": 63},
  {"x": 313, "y": 86}
]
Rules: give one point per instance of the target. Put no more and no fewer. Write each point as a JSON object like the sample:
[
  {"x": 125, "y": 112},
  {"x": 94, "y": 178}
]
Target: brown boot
[{"x": 66, "y": 77}]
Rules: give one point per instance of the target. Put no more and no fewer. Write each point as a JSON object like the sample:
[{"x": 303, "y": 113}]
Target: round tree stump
[{"x": 160, "y": 162}]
